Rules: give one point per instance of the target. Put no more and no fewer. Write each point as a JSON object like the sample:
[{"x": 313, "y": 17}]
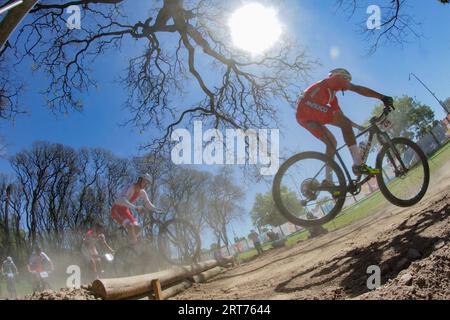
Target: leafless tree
[
  {"x": 44, "y": 174},
  {"x": 183, "y": 43},
  {"x": 10, "y": 90},
  {"x": 186, "y": 193},
  {"x": 65, "y": 190},
  {"x": 224, "y": 204},
  {"x": 397, "y": 25},
  {"x": 11, "y": 235}
]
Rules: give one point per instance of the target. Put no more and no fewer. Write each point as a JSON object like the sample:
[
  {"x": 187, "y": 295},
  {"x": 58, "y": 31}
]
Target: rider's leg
[
  {"x": 123, "y": 217},
  {"x": 133, "y": 231},
  {"x": 35, "y": 281},
  {"x": 341, "y": 121},
  {"x": 94, "y": 266},
  {"x": 14, "y": 291},
  {"x": 327, "y": 137},
  {"x": 359, "y": 167}
]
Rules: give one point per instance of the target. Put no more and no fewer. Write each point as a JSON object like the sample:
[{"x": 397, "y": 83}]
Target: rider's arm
[
  {"x": 365, "y": 91},
  {"x": 103, "y": 240},
  {"x": 147, "y": 203},
  {"x": 52, "y": 267}
]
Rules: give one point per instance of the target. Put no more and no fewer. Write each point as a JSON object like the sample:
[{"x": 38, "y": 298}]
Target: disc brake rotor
[{"x": 309, "y": 188}]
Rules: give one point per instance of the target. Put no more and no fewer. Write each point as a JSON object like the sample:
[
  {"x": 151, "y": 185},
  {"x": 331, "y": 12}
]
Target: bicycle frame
[{"x": 384, "y": 139}]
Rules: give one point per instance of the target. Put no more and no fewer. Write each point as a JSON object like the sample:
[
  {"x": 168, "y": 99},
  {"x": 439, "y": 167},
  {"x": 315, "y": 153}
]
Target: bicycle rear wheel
[
  {"x": 179, "y": 242},
  {"x": 405, "y": 172},
  {"x": 299, "y": 194}
]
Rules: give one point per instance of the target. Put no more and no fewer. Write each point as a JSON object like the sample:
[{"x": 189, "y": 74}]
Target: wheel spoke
[{"x": 299, "y": 193}]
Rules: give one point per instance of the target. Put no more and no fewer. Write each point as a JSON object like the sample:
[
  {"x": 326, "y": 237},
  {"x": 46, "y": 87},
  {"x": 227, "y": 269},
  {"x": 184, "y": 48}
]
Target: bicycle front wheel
[
  {"x": 309, "y": 189},
  {"x": 405, "y": 172},
  {"x": 179, "y": 242}
]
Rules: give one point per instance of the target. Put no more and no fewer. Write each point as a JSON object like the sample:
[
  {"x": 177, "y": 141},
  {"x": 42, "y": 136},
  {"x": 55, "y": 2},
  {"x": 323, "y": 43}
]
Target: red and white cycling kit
[
  {"x": 89, "y": 248},
  {"x": 319, "y": 103},
  {"x": 37, "y": 262},
  {"x": 120, "y": 211}
]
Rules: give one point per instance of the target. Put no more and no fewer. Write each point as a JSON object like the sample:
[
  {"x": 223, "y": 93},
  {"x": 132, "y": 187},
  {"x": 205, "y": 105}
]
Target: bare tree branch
[{"x": 241, "y": 94}]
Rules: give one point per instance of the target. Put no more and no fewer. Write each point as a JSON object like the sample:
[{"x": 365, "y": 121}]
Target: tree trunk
[
  {"x": 7, "y": 241},
  {"x": 33, "y": 221},
  {"x": 13, "y": 18}
]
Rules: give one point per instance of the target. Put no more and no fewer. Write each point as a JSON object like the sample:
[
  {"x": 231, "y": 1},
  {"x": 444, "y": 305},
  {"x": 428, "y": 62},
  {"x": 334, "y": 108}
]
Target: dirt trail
[{"x": 334, "y": 266}]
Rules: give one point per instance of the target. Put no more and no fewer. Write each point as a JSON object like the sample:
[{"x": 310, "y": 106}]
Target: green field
[{"x": 361, "y": 209}]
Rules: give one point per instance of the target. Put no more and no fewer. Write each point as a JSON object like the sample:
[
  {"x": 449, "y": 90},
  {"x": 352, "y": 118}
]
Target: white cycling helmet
[
  {"x": 341, "y": 72},
  {"x": 146, "y": 177}
]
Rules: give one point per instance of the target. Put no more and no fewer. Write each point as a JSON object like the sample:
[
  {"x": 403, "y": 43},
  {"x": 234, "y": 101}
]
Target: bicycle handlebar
[{"x": 383, "y": 115}]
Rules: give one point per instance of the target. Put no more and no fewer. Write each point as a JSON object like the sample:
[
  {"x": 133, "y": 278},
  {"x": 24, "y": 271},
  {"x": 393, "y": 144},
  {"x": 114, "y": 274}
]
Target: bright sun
[{"x": 255, "y": 28}]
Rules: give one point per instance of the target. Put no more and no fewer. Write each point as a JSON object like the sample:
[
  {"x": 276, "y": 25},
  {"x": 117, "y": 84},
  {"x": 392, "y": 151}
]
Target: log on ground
[
  {"x": 122, "y": 288},
  {"x": 208, "y": 274}
]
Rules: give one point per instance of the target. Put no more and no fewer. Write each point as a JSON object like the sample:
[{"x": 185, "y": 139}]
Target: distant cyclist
[
  {"x": 318, "y": 106},
  {"x": 10, "y": 271},
  {"x": 38, "y": 264},
  {"x": 92, "y": 239},
  {"x": 120, "y": 211}
]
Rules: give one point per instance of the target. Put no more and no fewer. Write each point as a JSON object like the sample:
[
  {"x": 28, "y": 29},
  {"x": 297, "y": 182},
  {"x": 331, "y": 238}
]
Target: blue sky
[{"x": 315, "y": 24}]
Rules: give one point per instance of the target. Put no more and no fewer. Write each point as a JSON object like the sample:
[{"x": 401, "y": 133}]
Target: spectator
[
  {"x": 275, "y": 239},
  {"x": 254, "y": 236},
  {"x": 273, "y": 236}
]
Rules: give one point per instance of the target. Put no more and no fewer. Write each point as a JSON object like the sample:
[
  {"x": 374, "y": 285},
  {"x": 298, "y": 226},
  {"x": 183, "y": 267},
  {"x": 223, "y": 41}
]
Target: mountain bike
[
  {"x": 300, "y": 196},
  {"x": 41, "y": 281},
  {"x": 175, "y": 240},
  {"x": 11, "y": 284}
]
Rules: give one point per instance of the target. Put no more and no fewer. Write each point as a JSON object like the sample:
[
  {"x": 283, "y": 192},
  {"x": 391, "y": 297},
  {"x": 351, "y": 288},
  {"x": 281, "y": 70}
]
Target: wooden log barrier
[
  {"x": 156, "y": 286},
  {"x": 208, "y": 274},
  {"x": 186, "y": 284},
  {"x": 170, "y": 291},
  {"x": 122, "y": 288}
]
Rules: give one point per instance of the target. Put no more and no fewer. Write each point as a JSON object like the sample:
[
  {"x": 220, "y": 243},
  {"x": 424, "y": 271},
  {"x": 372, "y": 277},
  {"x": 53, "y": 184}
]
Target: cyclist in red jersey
[
  {"x": 38, "y": 263},
  {"x": 93, "y": 237},
  {"x": 120, "y": 211},
  {"x": 319, "y": 106}
]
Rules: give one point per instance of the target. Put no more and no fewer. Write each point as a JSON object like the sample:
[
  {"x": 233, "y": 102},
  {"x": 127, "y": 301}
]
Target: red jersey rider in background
[
  {"x": 93, "y": 237},
  {"x": 37, "y": 264},
  {"x": 319, "y": 106},
  {"x": 121, "y": 213}
]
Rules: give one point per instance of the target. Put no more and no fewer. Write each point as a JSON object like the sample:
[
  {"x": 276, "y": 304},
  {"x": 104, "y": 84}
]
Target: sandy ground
[{"x": 408, "y": 245}]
